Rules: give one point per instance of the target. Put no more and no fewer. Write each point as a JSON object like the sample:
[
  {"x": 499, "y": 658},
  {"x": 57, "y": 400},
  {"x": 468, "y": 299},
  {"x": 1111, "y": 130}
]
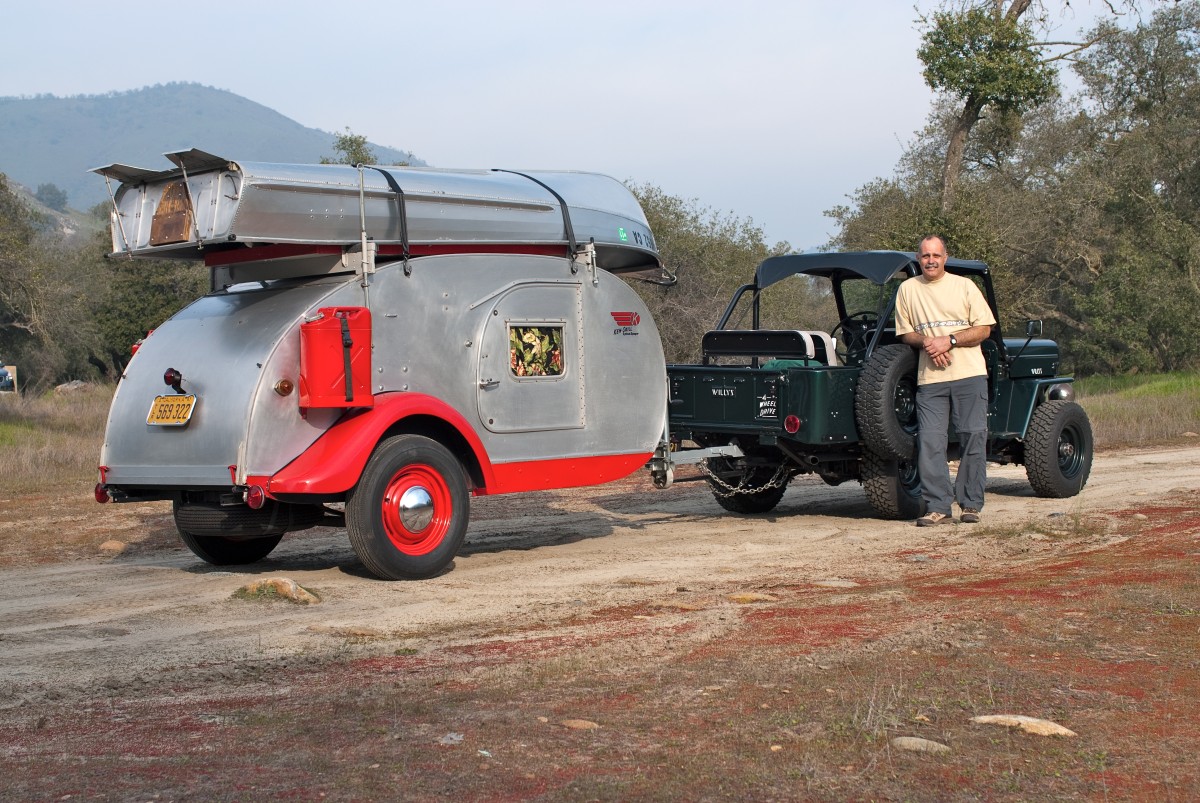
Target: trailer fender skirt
[
  {"x": 333, "y": 464},
  {"x": 564, "y": 472}
]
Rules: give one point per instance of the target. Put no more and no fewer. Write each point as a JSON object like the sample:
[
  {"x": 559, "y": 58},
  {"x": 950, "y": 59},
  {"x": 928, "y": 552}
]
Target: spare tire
[
  {"x": 885, "y": 404},
  {"x": 204, "y": 519},
  {"x": 230, "y": 550}
]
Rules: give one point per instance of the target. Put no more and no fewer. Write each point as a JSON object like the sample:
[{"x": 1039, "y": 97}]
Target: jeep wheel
[
  {"x": 1058, "y": 449},
  {"x": 740, "y": 499},
  {"x": 893, "y": 486},
  {"x": 885, "y": 405}
]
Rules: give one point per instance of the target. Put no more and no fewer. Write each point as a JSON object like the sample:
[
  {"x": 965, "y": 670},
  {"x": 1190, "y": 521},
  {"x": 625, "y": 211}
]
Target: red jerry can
[{"x": 335, "y": 358}]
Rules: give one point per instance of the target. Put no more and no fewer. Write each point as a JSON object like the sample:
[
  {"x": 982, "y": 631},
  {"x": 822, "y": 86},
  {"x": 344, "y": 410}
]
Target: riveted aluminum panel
[
  {"x": 435, "y": 327},
  {"x": 228, "y": 346}
]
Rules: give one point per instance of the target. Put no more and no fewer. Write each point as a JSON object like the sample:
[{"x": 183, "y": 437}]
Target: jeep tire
[
  {"x": 761, "y": 500},
  {"x": 893, "y": 486},
  {"x": 1058, "y": 449}
]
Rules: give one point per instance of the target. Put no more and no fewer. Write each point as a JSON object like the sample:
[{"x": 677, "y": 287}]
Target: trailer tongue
[{"x": 394, "y": 339}]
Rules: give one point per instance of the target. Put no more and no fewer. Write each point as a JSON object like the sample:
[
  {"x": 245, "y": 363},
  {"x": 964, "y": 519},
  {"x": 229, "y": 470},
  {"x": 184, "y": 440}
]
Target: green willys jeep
[{"x": 769, "y": 404}]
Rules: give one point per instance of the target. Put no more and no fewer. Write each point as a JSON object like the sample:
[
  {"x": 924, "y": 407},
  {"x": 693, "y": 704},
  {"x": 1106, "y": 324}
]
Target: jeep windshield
[{"x": 844, "y": 294}]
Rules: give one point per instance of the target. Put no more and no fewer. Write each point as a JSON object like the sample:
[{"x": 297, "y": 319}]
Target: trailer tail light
[
  {"x": 256, "y": 497},
  {"x": 173, "y": 379},
  {"x": 102, "y": 493},
  {"x": 791, "y": 424}
]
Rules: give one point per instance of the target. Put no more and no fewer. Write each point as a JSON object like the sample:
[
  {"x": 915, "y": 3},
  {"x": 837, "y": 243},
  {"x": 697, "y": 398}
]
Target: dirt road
[{"x": 533, "y": 562}]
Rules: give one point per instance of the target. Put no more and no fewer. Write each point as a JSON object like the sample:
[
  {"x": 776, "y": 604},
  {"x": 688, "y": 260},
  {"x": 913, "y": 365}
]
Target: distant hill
[
  {"x": 52, "y": 140},
  {"x": 71, "y": 227}
]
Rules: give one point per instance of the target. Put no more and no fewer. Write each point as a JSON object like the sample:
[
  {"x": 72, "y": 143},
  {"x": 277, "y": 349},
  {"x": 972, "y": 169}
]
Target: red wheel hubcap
[{"x": 417, "y": 509}]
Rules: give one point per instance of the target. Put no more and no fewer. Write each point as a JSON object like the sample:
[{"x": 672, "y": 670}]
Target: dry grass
[
  {"x": 1076, "y": 524},
  {"x": 52, "y": 441},
  {"x": 1140, "y": 410}
]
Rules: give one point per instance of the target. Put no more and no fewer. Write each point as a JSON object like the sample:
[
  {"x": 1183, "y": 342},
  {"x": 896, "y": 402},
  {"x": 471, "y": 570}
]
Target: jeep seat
[{"x": 781, "y": 344}]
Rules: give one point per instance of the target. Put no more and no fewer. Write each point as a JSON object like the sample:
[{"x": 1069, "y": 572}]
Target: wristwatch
[{"x": 953, "y": 341}]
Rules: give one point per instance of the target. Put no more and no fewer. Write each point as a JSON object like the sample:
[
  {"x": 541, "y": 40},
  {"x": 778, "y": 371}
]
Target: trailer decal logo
[{"x": 626, "y": 323}]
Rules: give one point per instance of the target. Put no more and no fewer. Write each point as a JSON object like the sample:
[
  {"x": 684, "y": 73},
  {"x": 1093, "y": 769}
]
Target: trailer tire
[
  {"x": 893, "y": 486},
  {"x": 885, "y": 404},
  {"x": 1058, "y": 449},
  {"x": 408, "y": 514},
  {"x": 230, "y": 550}
]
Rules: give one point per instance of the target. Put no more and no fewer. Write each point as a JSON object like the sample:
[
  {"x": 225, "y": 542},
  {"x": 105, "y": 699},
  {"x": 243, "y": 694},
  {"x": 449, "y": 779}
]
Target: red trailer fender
[{"x": 333, "y": 464}]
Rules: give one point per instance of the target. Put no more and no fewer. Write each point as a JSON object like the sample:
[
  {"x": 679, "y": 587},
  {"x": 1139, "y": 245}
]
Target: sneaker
[
  {"x": 934, "y": 518},
  {"x": 969, "y": 516}
]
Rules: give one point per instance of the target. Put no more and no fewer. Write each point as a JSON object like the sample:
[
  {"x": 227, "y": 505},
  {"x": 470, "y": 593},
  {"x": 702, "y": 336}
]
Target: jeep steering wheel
[{"x": 855, "y": 336}]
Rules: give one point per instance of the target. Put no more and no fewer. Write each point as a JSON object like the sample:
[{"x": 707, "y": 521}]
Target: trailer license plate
[{"x": 171, "y": 411}]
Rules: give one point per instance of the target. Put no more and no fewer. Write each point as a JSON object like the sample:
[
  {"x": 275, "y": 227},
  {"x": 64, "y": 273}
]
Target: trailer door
[{"x": 531, "y": 369}]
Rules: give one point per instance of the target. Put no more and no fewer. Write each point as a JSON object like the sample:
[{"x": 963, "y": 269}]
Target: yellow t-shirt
[{"x": 948, "y": 305}]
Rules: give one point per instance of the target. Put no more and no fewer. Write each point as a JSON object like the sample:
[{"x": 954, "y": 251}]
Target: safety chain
[{"x": 724, "y": 489}]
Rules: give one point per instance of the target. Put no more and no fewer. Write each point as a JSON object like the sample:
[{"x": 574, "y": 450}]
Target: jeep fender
[{"x": 1036, "y": 398}]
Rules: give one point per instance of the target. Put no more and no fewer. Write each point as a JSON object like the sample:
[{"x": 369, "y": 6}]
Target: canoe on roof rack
[{"x": 208, "y": 206}]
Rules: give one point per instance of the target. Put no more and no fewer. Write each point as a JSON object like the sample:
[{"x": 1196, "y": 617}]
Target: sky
[{"x": 769, "y": 111}]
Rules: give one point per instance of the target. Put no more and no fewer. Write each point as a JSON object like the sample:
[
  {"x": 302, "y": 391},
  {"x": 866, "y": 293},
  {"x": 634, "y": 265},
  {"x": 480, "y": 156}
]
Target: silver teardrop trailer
[{"x": 395, "y": 339}]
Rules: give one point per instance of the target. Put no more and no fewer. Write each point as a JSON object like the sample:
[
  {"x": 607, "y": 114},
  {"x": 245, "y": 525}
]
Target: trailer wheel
[
  {"x": 407, "y": 516},
  {"x": 885, "y": 404},
  {"x": 893, "y": 486},
  {"x": 230, "y": 550},
  {"x": 733, "y": 496},
  {"x": 1058, "y": 449}
]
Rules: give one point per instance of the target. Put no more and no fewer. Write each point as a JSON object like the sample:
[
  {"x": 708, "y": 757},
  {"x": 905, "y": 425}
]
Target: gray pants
[{"x": 962, "y": 402}]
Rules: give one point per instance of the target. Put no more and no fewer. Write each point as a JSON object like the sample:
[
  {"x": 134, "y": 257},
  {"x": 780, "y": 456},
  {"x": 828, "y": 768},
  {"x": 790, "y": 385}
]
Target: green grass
[
  {"x": 11, "y": 432},
  {"x": 1142, "y": 385},
  {"x": 267, "y": 591}
]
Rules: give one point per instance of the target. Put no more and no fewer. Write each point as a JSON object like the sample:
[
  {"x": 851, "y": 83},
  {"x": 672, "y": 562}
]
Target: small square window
[{"x": 535, "y": 350}]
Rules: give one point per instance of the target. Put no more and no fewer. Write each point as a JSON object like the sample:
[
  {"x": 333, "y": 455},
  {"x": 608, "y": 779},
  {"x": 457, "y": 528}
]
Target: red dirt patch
[{"x": 795, "y": 698}]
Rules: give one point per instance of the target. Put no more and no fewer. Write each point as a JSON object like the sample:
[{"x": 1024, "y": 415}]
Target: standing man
[{"x": 946, "y": 317}]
